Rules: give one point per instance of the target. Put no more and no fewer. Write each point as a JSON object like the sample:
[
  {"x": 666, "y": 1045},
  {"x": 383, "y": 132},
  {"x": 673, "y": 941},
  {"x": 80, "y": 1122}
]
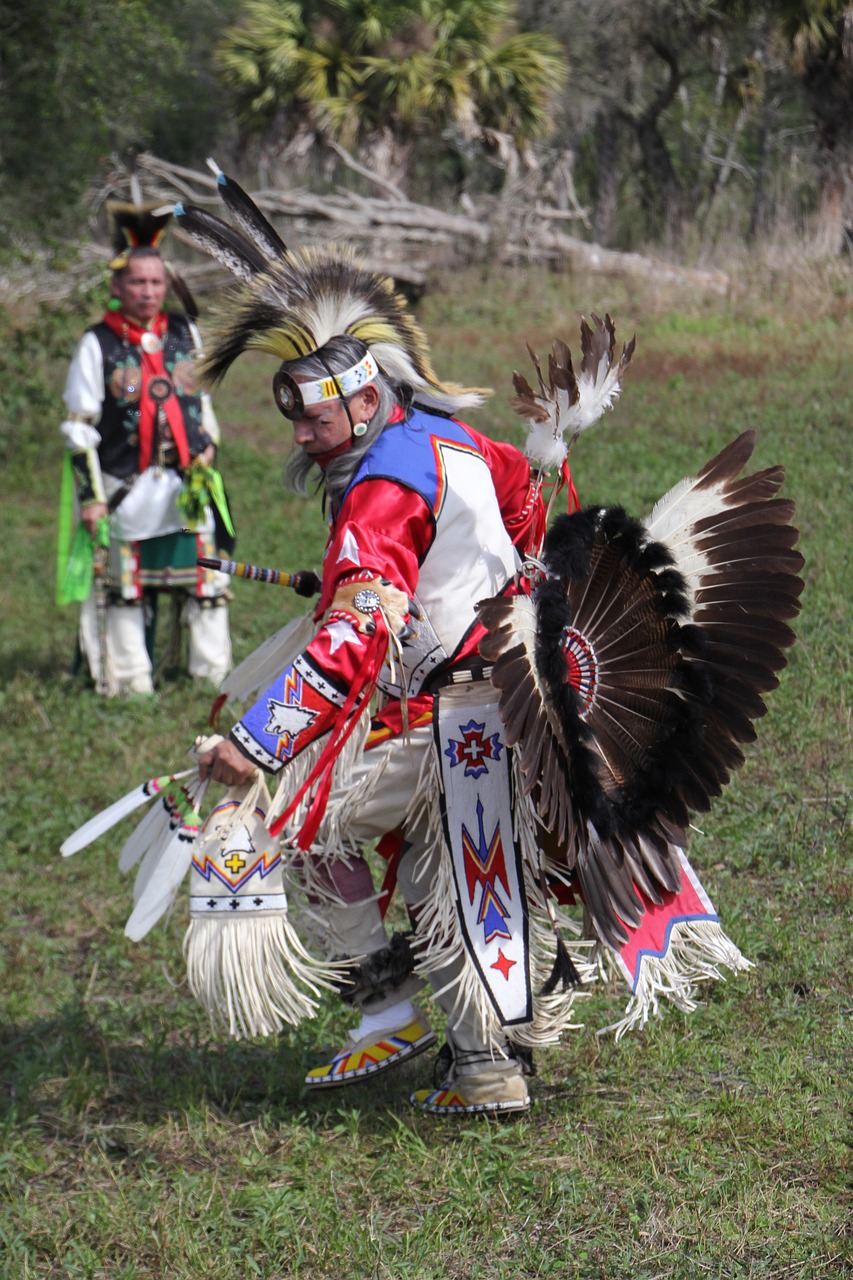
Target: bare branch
[{"x": 352, "y": 163}]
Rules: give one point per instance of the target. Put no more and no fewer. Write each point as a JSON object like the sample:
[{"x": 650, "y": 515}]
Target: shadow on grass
[
  {"x": 68, "y": 1066},
  {"x": 44, "y": 665}
]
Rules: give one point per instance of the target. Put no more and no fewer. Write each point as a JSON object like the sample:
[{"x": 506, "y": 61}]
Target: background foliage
[{"x": 682, "y": 122}]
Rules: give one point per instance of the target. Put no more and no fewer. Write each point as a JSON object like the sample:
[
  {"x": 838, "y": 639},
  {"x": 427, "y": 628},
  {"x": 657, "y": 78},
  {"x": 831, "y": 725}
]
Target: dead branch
[{"x": 405, "y": 240}]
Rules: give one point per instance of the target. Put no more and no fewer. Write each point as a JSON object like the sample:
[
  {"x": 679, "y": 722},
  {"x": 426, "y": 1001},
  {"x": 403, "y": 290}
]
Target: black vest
[{"x": 119, "y": 424}]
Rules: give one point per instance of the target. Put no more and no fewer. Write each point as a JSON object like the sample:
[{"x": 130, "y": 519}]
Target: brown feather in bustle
[{"x": 633, "y": 677}]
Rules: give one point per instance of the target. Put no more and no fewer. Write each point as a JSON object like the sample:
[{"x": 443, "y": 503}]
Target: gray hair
[{"x": 339, "y": 354}]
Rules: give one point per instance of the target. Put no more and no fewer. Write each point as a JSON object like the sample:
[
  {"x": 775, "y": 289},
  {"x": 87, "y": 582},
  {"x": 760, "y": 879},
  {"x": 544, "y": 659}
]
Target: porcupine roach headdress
[
  {"x": 291, "y": 303},
  {"x": 138, "y": 225}
]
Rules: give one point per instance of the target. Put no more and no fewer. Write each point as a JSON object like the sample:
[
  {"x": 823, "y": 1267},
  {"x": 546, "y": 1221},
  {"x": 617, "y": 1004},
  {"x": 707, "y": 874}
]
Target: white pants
[
  {"x": 128, "y": 666},
  {"x": 355, "y": 927}
]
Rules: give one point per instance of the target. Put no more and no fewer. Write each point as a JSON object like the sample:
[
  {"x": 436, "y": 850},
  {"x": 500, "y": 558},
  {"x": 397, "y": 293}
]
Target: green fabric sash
[{"x": 75, "y": 555}]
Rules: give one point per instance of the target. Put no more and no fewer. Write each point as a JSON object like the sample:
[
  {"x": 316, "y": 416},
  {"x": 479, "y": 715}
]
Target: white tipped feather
[
  {"x": 569, "y": 403},
  {"x": 172, "y": 864},
  {"x": 162, "y": 871},
  {"x": 596, "y": 394},
  {"x": 545, "y": 444},
  {"x": 258, "y": 671},
  {"x": 148, "y": 831},
  {"x": 671, "y": 522},
  {"x": 160, "y": 837},
  {"x": 674, "y": 516},
  {"x": 108, "y": 818}
]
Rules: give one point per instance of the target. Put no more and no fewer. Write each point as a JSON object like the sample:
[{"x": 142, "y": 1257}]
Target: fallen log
[{"x": 396, "y": 236}]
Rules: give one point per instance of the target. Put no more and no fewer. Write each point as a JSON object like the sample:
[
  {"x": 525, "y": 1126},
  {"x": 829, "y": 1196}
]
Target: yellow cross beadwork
[{"x": 235, "y": 863}]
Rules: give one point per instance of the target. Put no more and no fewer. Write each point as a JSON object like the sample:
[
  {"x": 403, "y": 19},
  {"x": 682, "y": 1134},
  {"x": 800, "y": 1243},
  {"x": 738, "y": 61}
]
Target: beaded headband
[{"x": 292, "y": 397}]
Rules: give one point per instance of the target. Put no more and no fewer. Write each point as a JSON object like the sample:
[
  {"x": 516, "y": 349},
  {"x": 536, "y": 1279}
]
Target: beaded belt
[{"x": 467, "y": 674}]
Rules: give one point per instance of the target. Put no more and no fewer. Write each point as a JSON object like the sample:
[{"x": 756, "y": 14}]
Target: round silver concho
[
  {"x": 150, "y": 343},
  {"x": 159, "y": 389},
  {"x": 366, "y": 600}
]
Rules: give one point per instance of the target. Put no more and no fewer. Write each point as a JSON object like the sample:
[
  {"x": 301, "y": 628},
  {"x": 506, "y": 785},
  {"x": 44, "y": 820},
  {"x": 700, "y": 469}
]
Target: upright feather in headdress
[
  {"x": 290, "y": 303},
  {"x": 570, "y": 402},
  {"x": 242, "y": 207}
]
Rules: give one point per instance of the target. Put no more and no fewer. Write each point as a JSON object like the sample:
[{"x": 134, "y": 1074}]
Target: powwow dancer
[
  {"x": 551, "y": 706},
  {"x": 141, "y": 440}
]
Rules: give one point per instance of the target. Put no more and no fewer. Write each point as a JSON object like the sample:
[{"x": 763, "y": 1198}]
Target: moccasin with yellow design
[
  {"x": 367, "y": 1057},
  {"x": 473, "y": 1094}
]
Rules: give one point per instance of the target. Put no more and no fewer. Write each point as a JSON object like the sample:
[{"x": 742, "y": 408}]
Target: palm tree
[{"x": 378, "y": 75}]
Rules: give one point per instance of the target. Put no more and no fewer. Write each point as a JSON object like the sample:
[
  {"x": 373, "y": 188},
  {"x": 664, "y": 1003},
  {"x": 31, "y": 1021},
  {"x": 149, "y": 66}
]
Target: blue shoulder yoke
[{"x": 404, "y": 453}]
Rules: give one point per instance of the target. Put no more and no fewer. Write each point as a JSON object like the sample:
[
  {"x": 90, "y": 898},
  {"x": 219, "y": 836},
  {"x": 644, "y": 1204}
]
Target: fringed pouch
[{"x": 245, "y": 962}]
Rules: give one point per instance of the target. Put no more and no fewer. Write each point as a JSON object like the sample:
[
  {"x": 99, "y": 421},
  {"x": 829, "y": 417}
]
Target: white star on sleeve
[
  {"x": 350, "y": 549},
  {"x": 342, "y": 632}
]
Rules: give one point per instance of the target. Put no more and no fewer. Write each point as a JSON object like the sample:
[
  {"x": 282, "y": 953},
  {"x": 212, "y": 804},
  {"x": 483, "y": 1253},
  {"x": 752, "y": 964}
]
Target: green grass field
[{"x": 135, "y": 1147}]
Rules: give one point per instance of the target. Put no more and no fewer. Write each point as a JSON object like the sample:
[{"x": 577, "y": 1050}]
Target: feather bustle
[
  {"x": 728, "y": 464},
  {"x": 682, "y": 627}
]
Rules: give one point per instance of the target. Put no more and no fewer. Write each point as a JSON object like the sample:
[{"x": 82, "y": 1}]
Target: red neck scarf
[
  {"x": 152, "y": 366},
  {"x": 323, "y": 459}
]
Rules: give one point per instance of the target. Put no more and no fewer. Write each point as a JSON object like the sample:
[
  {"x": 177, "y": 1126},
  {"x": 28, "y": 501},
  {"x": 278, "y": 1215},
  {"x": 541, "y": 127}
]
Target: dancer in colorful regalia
[
  {"x": 521, "y": 706},
  {"x": 141, "y": 441},
  {"x": 427, "y": 517}
]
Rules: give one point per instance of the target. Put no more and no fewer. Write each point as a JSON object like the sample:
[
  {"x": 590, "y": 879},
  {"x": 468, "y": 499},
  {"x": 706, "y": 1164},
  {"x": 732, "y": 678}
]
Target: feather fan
[
  {"x": 149, "y": 830},
  {"x": 631, "y": 678},
  {"x": 119, "y": 809},
  {"x": 166, "y": 862}
]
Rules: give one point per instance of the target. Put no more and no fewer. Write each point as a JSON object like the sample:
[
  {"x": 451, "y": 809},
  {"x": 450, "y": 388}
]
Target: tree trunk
[
  {"x": 829, "y": 85},
  {"x": 390, "y": 158},
  {"x": 662, "y": 175},
  {"x": 758, "y": 212},
  {"x": 656, "y": 158},
  {"x": 830, "y": 223},
  {"x": 608, "y": 146}
]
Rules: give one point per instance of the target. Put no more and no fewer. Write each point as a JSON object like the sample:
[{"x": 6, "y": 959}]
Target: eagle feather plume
[{"x": 569, "y": 402}]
